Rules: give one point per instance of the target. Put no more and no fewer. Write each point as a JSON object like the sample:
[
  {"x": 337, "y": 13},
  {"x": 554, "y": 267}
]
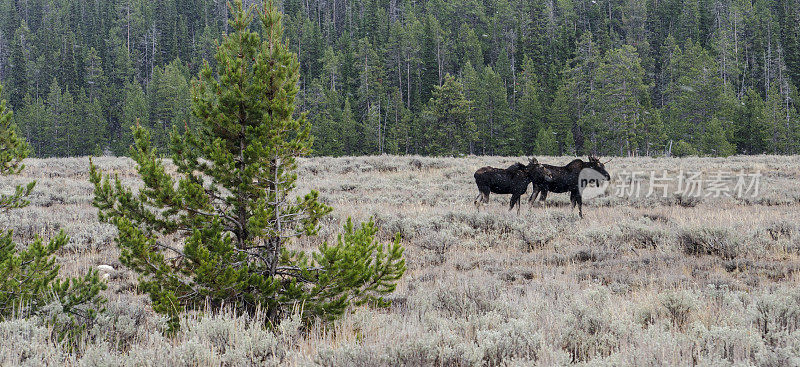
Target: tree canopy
[{"x": 369, "y": 68}]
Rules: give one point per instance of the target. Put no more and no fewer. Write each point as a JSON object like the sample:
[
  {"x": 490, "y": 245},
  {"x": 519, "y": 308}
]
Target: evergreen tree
[
  {"x": 93, "y": 127},
  {"x": 498, "y": 134},
  {"x": 18, "y": 64},
  {"x": 530, "y": 113},
  {"x": 562, "y": 117},
  {"x": 409, "y": 47},
  {"x": 574, "y": 96},
  {"x": 29, "y": 277},
  {"x": 545, "y": 143},
  {"x": 696, "y": 96},
  {"x": 169, "y": 101},
  {"x": 231, "y": 206},
  {"x": 350, "y": 131},
  {"x": 714, "y": 142},
  {"x": 751, "y": 131},
  {"x": 619, "y": 90},
  {"x": 134, "y": 107},
  {"x": 94, "y": 75},
  {"x": 449, "y": 128},
  {"x": 782, "y": 120},
  {"x": 14, "y": 150},
  {"x": 33, "y": 120},
  {"x": 469, "y": 47},
  {"x": 56, "y": 128}
]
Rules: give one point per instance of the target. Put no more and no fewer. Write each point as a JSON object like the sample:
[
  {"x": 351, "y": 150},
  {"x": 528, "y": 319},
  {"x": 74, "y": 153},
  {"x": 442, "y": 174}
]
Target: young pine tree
[
  {"x": 218, "y": 234},
  {"x": 29, "y": 283}
]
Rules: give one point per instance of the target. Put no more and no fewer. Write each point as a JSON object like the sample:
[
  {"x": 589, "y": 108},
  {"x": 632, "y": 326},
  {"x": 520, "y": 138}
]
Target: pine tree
[
  {"x": 169, "y": 101},
  {"x": 350, "y": 131},
  {"x": 29, "y": 278},
  {"x": 619, "y": 90},
  {"x": 55, "y": 130},
  {"x": 94, "y": 75},
  {"x": 449, "y": 128},
  {"x": 19, "y": 77},
  {"x": 14, "y": 150},
  {"x": 545, "y": 143},
  {"x": 134, "y": 107},
  {"x": 498, "y": 134},
  {"x": 714, "y": 142},
  {"x": 469, "y": 47},
  {"x": 530, "y": 114},
  {"x": 577, "y": 89},
  {"x": 696, "y": 96},
  {"x": 33, "y": 119},
  {"x": 231, "y": 206},
  {"x": 782, "y": 121},
  {"x": 750, "y": 130},
  {"x": 562, "y": 117}
]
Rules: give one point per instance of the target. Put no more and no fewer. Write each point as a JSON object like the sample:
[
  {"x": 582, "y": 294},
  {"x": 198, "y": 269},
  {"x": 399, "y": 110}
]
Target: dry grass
[{"x": 643, "y": 281}]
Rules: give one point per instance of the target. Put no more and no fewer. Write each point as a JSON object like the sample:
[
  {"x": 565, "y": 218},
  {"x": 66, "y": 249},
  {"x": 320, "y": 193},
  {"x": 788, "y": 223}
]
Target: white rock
[{"x": 105, "y": 268}]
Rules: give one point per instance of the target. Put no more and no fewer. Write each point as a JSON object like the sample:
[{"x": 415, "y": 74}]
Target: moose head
[{"x": 595, "y": 164}]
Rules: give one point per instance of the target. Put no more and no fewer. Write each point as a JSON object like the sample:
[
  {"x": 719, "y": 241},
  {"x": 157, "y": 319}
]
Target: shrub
[
  {"x": 590, "y": 331},
  {"x": 777, "y": 317},
  {"x": 516, "y": 338},
  {"x": 642, "y": 234},
  {"x": 684, "y": 149},
  {"x": 709, "y": 241},
  {"x": 678, "y": 306}
]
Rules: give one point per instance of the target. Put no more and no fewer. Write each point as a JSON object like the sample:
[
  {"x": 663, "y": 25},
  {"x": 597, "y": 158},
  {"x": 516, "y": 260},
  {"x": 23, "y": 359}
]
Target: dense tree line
[{"x": 644, "y": 77}]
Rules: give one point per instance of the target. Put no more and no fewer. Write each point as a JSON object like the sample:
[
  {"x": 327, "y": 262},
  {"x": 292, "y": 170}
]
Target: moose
[
  {"x": 513, "y": 180},
  {"x": 565, "y": 179}
]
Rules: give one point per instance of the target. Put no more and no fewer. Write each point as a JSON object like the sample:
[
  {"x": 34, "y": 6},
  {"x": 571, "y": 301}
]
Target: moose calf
[{"x": 513, "y": 180}]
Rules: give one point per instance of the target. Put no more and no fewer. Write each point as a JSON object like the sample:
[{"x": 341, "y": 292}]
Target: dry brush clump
[{"x": 637, "y": 282}]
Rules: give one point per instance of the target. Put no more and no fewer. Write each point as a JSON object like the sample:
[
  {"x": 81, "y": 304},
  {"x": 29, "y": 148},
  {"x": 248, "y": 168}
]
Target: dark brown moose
[
  {"x": 565, "y": 179},
  {"x": 513, "y": 180}
]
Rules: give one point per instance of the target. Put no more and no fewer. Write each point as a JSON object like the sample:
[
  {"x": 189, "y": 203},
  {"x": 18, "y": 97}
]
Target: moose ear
[{"x": 532, "y": 160}]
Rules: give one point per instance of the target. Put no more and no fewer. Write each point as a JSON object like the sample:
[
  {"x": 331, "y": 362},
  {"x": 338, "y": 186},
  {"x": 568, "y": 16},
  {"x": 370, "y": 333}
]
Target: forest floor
[{"x": 674, "y": 279}]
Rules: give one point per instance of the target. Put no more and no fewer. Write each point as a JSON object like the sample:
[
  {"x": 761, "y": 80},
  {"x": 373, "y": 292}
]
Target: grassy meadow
[{"x": 640, "y": 281}]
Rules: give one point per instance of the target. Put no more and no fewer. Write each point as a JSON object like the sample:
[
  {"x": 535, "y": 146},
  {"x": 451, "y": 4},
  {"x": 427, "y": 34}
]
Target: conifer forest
[{"x": 427, "y": 77}]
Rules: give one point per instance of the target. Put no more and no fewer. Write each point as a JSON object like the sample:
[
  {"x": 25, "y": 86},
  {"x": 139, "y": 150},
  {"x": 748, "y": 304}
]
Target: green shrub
[{"x": 684, "y": 149}]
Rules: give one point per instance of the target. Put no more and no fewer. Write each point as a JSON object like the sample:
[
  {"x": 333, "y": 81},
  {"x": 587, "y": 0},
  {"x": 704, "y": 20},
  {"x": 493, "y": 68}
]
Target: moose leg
[
  {"x": 534, "y": 194},
  {"x": 572, "y": 200},
  {"x": 514, "y": 200},
  {"x": 575, "y": 198},
  {"x": 543, "y": 197},
  {"x": 483, "y": 196}
]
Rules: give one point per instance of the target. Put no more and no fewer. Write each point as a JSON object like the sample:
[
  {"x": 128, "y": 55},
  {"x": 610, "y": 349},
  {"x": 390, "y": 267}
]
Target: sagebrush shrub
[{"x": 710, "y": 241}]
